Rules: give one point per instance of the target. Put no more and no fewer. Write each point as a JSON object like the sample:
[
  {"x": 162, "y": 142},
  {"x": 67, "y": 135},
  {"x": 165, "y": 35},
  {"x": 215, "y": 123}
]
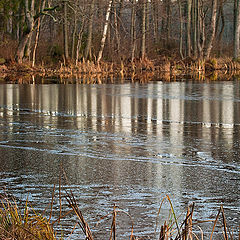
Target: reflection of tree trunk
[
  {"x": 90, "y": 30},
  {"x": 212, "y": 30},
  {"x": 104, "y": 35},
  {"x": 237, "y": 30}
]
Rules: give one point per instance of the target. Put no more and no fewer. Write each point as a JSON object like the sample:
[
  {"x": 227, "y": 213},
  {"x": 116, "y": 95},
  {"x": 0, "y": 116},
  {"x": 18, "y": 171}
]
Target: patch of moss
[{"x": 2, "y": 61}]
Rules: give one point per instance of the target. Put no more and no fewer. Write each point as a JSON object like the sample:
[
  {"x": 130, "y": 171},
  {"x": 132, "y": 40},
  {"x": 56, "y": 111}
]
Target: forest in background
[{"x": 71, "y": 31}]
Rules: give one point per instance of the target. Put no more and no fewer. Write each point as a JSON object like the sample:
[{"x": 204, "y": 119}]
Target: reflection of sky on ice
[{"x": 127, "y": 144}]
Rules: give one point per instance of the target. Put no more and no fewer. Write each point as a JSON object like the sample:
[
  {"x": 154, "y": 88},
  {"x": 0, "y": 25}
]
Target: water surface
[{"x": 124, "y": 144}]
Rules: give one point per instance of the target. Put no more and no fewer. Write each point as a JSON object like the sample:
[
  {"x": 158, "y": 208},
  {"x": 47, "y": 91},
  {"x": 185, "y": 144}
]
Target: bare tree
[
  {"x": 143, "y": 32},
  {"x": 29, "y": 15},
  {"x": 237, "y": 30},
  {"x": 104, "y": 35},
  {"x": 90, "y": 30},
  {"x": 188, "y": 28},
  {"x": 155, "y": 6},
  {"x": 133, "y": 30},
  {"x": 65, "y": 30},
  {"x": 181, "y": 28},
  {"x": 209, "y": 44},
  {"x": 201, "y": 29},
  {"x": 37, "y": 35}
]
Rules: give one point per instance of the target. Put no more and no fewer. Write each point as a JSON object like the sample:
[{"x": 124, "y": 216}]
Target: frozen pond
[{"x": 124, "y": 144}]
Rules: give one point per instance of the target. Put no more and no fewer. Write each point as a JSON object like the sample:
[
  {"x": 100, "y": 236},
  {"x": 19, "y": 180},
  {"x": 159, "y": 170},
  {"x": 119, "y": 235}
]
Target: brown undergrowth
[{"x": 143, "y": 70}]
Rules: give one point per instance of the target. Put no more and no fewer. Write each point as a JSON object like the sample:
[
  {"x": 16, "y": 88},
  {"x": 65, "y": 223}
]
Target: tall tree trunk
[
  {"x": 155, "y": 19},
  {"x": 147, "y": 13},
  {"x": 29, "y": 14},
  {"x": 116, "y": 27},
  {"x": 195, "y": 27},
  {"x": 201, "y": 31},
  {"x": 27, "y": 51},
  {"x": 104, "y": 35},
  {"x": 37, "y": 33},
  {"x": 212, "y": 30},
  {"x": 133, "y": 30},
  {"x": 234, "y": 17},
  {"x": 80, "y": 34},
  {"x": 36, "y": 43},
  {"x": 237, "y": 31},
  {"x": 10, "y": 23},
  {"x": 90, "y": 30},
  {"x": 65, "y": 30},
  {"x": 188, "y": 28},
  {"x": 168, "y": 21},
  {"x": 74, "y": 34},
  {"x": 143, "y": 43},
  {"x": 220, "y": 17},
  {"x": 181, "y": 29}
]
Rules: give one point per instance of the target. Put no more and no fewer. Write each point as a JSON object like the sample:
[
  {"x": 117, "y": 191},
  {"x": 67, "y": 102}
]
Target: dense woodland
[{"x": 118, "y": 30}]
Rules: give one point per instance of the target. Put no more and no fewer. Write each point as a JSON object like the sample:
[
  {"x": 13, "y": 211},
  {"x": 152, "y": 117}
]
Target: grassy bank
[
  {"x": 24, "y": 223},
  {"x": 139, "y": 70}
]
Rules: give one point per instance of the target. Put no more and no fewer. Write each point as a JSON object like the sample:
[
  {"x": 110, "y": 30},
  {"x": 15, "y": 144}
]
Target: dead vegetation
[
  {"x": 142, "y": 70},
  {"x": 25, "y": 223}
]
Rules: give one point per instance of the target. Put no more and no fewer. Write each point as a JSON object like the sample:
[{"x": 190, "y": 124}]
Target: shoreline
[{"x": 141, "y": 70}]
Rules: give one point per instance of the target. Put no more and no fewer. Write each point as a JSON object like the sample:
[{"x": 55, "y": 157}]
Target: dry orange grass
[{"x": 23, "y": 224}]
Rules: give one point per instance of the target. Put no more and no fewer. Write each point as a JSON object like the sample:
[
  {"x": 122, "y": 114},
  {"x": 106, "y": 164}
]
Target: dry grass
[
  {"x": 142, "y": 70},
  {"x": 23, "y": 224},
  {"x": 26, "y": 224}
]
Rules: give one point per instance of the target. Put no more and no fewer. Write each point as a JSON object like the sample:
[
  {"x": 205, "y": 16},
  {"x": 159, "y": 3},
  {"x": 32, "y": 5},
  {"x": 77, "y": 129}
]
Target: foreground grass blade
[{"x": 82, "y": 223}]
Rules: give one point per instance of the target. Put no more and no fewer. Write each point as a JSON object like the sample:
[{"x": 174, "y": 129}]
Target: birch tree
[
  {"x": 212, "y": 30},
  {"x": 104, "y": 35}
]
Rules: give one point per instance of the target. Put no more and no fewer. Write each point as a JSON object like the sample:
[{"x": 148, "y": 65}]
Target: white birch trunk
[
  {"x": 104, "y": 31},
  {"x": 212, "y": 31}
]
